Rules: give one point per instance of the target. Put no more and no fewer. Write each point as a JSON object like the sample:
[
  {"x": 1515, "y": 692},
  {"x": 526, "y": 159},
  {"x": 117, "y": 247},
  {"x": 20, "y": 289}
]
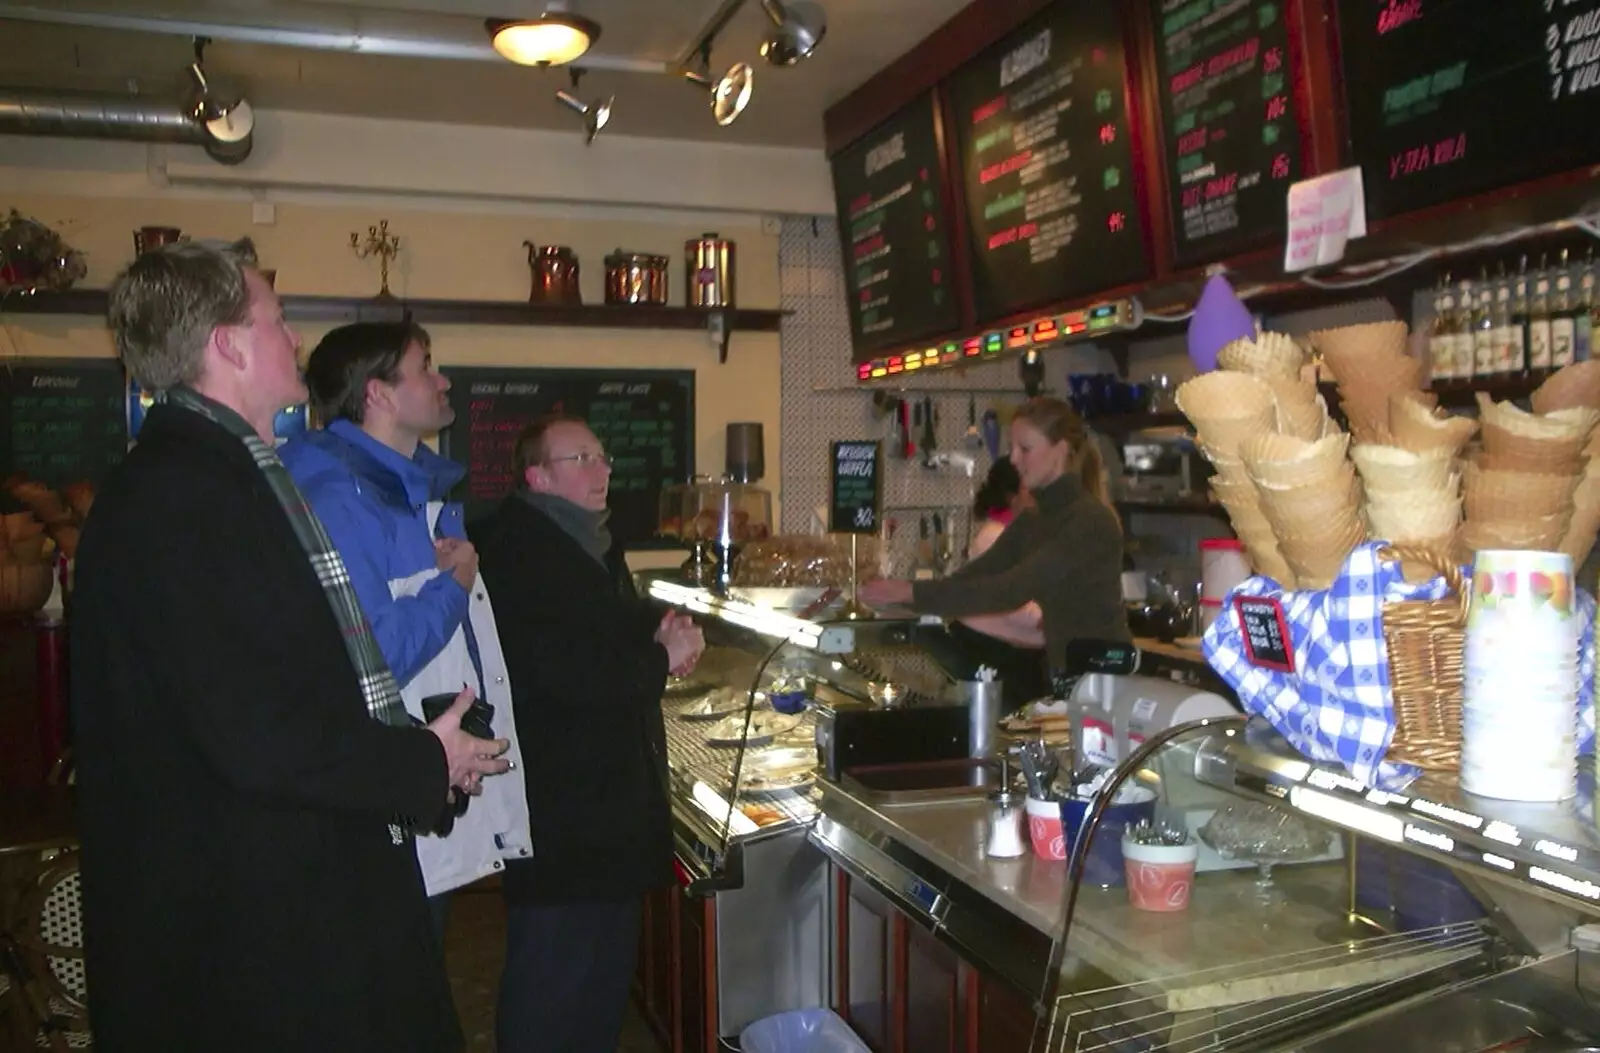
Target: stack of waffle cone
[
  {"x": 1311, "y": 498},
  {"x": 1268, "y": 355},
  {"x": 1416, "y": 426},
  {"x": 1516, "y": 508},
  {"x": 1572, "y": 387},
  {"x": 1412, "y": 498},
  {"x": 1227, "y": 409},
  {"x": 1370, "y": 364}
]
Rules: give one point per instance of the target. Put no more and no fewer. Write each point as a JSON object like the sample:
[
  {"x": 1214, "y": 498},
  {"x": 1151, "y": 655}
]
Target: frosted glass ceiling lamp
[
  {"x": 799, "y": 26},
  {"x": 730, "y": 93},
  {"x": 596, "y": 114},
  {"x": 553, "y": 39}
]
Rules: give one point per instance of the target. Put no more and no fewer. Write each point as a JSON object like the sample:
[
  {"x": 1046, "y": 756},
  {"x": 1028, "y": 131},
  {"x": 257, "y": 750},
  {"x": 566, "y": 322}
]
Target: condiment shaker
[{"x": 1006, "y": 814}]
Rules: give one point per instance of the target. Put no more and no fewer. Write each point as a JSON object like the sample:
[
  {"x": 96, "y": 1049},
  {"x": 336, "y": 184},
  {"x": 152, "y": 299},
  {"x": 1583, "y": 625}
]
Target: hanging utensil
[
  {"x": 974, "y": 440},
  {"x": 929, "y": 436},
  {"x": 940, "y": 556},
  {"x": 991, "y": 432},
  {"x": 903, "y": 415},
  {"x": 924, "y": 547}
]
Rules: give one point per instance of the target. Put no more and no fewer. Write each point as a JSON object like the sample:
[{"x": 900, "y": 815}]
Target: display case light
[
  {"x": 736, "y": 612},
  {"x": 1347, "y": 814}
]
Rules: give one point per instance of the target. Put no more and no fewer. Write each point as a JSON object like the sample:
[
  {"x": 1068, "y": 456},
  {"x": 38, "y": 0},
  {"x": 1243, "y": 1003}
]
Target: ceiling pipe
[
  {"x": 82, "y": 115},
  {"x": 471, "y": 46}
]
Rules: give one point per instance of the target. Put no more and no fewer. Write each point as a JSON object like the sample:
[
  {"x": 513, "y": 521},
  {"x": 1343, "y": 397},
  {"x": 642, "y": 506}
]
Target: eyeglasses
[{"x": 584, "y": 460}]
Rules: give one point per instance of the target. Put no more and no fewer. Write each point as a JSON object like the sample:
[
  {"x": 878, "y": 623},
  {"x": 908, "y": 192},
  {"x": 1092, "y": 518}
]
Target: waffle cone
[
  {"x": 1283, "y": 461},
  {"x": 1395, "y": 468},
  {"x": 1348, "y": 350},
  {"x": 1303, "y": 422},
  {"x": 1577, "y": 385},
  {"x": 1534, "y": 452},
  {"x": 1310, "y": 509},
  {"x": 1221, "y": 395},
  {"x": 1248, "y": 518},
  {"x": 1269, "y": 355},
  {"x": 1555, "y": 427},
  {"x": 1226, "y": 435},
  {"x": 1582, "y": 530},
  {"x": 1418, "y": 427},
  {"x": 1542, "y": 534},
  {"x": 1509, "y": 495},
  {"x": 1398, "y": 523}
]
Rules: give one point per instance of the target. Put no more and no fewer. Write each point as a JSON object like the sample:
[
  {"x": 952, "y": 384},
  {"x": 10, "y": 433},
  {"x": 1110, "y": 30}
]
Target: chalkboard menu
[
  {"x": 892, "y": 223},
  {"x": 1045, "y": 145},
  {"x": 643, "y": 417},
  {"x": 62, "y": 420},
  {"x": 857, "y": 474},
  {"x": 1447, "y": 100},
  {"x": 1230, "y": 136}
]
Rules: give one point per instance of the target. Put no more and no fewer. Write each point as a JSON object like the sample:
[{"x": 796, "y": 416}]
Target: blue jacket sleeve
[{"x": 410, "y": 630}]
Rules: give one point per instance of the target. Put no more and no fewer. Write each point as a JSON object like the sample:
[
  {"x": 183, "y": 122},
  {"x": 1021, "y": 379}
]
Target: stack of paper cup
[{"x": 1519, "y": 737}]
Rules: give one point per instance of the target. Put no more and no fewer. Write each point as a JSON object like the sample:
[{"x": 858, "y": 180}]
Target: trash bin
[{"x": 801, "y": 1031}]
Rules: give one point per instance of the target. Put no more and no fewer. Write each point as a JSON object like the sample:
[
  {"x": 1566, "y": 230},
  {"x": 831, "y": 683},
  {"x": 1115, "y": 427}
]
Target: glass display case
[{"x": 1289, "y": 907}]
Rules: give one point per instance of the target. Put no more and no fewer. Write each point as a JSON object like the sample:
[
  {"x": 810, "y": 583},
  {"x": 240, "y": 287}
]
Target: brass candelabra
[{"x": 382, "y": 244}]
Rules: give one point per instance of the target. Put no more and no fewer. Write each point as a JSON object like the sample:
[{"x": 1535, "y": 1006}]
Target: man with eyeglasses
[{"x": 588, "y": 660}]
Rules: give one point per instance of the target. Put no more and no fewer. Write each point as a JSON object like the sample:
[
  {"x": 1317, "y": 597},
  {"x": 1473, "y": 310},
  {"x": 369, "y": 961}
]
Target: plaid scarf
[{"x": 379, "y": 689}]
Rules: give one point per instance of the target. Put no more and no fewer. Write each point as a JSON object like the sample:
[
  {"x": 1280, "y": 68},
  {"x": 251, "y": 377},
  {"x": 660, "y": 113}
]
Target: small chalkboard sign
[
  {"x": 62, "y": 420},
  {"x": 857, "y": 473},
  {"x": 1265, "y": 631}
]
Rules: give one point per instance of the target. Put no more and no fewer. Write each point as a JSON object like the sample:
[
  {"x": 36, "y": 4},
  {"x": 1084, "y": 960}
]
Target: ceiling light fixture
[
  {"x": 730, "y": 93},
  {"x": 596, "y": 114},
  {"x": 799, "y": 26},
  {"x": 228, "y": 122},
  {"x": 553, "y": 39}
]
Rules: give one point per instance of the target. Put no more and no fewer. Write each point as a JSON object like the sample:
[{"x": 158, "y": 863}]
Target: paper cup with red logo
[
  {"x": 1044, "y": 829},
  {"x": 1160, "y": 877}
]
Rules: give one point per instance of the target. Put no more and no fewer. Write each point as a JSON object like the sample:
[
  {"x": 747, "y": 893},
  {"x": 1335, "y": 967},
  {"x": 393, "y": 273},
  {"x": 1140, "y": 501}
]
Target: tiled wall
[{"x": 821, "y": 403}]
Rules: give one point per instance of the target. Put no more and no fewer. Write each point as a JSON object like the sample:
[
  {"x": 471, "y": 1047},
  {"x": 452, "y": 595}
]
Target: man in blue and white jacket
[{"x": 379, "y": 491}]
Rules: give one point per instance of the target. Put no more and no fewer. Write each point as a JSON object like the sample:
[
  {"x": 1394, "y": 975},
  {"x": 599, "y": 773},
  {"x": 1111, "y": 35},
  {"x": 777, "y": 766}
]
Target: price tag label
[{"x": 1267, "y": 643}]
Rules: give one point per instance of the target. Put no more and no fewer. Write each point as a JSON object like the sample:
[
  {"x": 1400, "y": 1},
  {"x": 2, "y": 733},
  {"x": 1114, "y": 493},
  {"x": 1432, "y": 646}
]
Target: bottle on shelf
[
  {"x": 1466, "y": 339},
  {"x": 1563, "y": 316},
  {"x": 1583, "y": 343},
  {"x": 1519, "y": 319},
  {"x": 1483, "y": 328},
  {"x": 1539, "y": 321},
  {"x": 1507, "y": 348},
  {"x": 1442, "y": 334}
]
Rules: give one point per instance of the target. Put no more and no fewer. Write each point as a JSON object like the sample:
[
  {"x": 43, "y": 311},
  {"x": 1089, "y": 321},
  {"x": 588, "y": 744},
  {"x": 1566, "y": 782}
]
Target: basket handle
[{"x": 1449, "y": 569}]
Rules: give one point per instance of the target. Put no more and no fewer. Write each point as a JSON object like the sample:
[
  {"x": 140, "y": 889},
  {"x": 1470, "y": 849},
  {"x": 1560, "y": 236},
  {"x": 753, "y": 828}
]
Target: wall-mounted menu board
[
  {"x": 1450, "y": 99},
  {"x": 1046, "y": 161},
  {"x": 643, "y": 417},
  {"x": 890, "y": 199},
  {"x": 1229, "y": 132},
  {"x": 62, "y": 420}
]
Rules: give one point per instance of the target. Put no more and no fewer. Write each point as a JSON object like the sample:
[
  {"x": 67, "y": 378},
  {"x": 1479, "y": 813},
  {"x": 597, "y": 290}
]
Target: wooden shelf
[
  {"x": 445, "y": 312},
  {"x": 1188, "y": 506},
  {"x": 1123, "y": 423}
]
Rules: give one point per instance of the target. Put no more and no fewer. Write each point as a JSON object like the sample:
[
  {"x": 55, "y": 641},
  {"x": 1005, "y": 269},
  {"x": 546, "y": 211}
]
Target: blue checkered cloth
[{"x": 1336, "y": 706}]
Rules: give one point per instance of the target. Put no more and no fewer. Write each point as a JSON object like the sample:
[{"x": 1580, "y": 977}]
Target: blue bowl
[{"x": 1103, "y": 868}]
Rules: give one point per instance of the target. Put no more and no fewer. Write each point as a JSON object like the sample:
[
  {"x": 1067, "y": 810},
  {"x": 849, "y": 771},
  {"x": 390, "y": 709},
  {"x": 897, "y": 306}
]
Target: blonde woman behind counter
[{"x": 1064, "y": 554}]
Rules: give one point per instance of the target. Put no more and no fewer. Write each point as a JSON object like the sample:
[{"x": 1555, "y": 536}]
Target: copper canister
[
  {"x": 709, "y": 271},
  {"x": 636, "y": 278},
  {"x": 147, "y": 238},
  {"x": 555, "y": 274}
]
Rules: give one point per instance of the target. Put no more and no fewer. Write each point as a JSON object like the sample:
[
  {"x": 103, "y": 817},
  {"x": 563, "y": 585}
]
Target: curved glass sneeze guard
[
  {"x": 742, "y": 764},
  {"x": 1261, "y": 943}
]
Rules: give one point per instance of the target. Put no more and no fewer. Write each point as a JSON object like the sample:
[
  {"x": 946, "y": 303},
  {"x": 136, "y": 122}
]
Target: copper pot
[
  {"x": 555, "y": 274},
  {"x": 708, "y": 279},
  {"x": 636, "y": 278},
  {"x": 147, "y": 238}
]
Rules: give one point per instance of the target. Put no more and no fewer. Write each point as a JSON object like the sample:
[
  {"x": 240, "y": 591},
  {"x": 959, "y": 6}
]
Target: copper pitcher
[
  {"x": 147, "y": 238},
  {"x": 555, "y": 274}
]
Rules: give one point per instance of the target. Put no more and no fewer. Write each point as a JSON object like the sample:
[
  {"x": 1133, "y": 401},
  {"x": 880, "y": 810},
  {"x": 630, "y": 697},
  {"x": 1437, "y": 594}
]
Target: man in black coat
[
  {"x": 249, "y": 882},
  {"x": 588, "y": 660}
]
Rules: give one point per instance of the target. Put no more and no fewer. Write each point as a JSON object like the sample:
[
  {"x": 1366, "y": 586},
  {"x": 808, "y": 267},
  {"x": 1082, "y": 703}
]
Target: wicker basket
[
  {"x": 1426, "y": 639},
  {"x": 25, "y": 587}
]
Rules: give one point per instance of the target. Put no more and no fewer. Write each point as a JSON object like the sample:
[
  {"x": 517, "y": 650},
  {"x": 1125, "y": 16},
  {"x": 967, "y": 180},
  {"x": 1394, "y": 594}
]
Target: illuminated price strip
[
  {"x": 1080, "y": 324},
  {"x": 1442, "y": 831}
]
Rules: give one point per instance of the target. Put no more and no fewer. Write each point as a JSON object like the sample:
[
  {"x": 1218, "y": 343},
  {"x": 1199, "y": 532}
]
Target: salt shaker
[{"x": 1005, "y": 819}]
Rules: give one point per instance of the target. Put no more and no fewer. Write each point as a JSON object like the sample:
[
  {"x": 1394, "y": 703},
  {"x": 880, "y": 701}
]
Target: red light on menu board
[
  {"x": 972, "y": 348},
  {"x": 864, "y": 372},
  {"x": 1044, "y": 331},
  {"x": 1017, "y": 337}
]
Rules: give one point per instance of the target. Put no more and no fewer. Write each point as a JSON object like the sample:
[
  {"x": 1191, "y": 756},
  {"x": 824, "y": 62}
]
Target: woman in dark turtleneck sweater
[{"x": 1064, "y": 555}]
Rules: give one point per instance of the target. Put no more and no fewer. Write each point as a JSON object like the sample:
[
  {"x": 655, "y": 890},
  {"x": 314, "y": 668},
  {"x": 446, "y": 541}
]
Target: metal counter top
[{"x": 1206, "y": 956}]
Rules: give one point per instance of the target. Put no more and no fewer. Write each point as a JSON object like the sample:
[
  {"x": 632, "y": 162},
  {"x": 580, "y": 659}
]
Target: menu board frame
[
  {"x": 628, "y": 520},
  {"x": 106, "y": 371},
  {"x": 866, "y": 346},
  {"x": 1297, "y": 77},
  {"x": 1137, "y": 176},
  {"x": 1436, "y": 185}
]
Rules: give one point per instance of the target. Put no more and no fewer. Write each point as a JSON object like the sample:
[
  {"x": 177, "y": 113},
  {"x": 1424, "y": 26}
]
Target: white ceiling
[{"x": 863, "y": 36}]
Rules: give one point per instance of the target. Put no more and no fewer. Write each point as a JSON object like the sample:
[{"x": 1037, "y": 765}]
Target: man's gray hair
[{"x": 164, "y": 306}]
